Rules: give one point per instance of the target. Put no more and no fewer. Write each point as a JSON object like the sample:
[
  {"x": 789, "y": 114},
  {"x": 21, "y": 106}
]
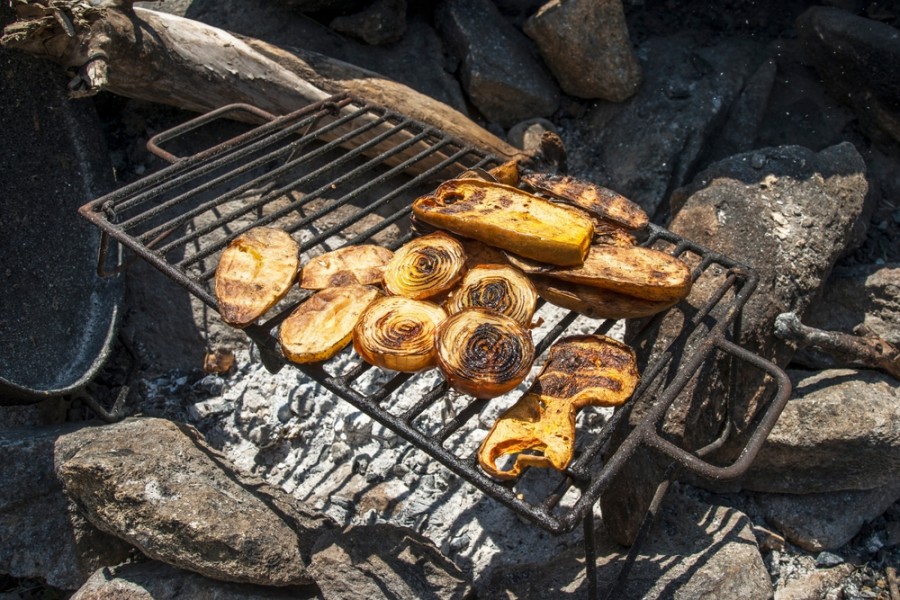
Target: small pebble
[
  {"x": 758, "y": 160},
  {"x": 828, "y": 559}
]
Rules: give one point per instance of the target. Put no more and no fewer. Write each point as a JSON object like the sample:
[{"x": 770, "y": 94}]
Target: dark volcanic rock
[
  {"x": 381, "y": 22},
  {"x": 857, "y": 58},
  {"x": 786, "y": 212},
  {"x": 42, "y": 533},
  {"x": 498, "y": 71},
  {"x": 585, "y": 44},
  {"x": 148, "y": 482}
]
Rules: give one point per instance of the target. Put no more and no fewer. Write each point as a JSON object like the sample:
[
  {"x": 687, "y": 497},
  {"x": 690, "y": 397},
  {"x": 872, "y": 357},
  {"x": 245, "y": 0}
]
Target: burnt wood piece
[{"x": 167, "y": 59}]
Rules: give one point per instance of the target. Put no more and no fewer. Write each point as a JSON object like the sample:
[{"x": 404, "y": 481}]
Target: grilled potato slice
[
  {"x": 362, "y": 264},
  {"x": 398, "y": 333},
  {"x": 595, "y": 302},
  {"x": 580, "y": 371},
  {"x": 596, "y": 200},
  {"x": 508, "y": 218},
  {"x": 631, "y": 270},
  {"x": 255, "y": 271},
  {"x": 323, "y": 324}
]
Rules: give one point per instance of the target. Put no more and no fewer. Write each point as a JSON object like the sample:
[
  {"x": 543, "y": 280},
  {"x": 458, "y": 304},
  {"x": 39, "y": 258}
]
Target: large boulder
[
  {"x": 156, "y": 485},
  {"x": 786, "y": 212}
]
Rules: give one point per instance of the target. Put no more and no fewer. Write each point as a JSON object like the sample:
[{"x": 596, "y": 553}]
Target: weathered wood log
[{"x": 163, "y": 58}]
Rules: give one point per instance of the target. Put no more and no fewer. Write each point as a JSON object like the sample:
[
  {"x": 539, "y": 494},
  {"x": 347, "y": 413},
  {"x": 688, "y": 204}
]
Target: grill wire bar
[{"x": 344, "y": 171}]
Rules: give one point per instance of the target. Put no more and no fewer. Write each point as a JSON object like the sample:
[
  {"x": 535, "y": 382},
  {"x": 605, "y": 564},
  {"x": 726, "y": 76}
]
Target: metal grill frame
[{"x": 445, "y": 155}]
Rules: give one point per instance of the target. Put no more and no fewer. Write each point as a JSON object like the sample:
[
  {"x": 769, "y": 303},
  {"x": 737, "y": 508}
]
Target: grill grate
[{"x": 344, "y": 172}]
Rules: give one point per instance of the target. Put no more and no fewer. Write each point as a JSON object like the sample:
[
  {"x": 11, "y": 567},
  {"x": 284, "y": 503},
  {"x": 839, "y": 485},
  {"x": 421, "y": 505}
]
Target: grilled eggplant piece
[
  {"x": 580, "y": 371},
  {"x": 425, "y": 267},
  {"x": 595, "y": 302},
  {"x": 630, "y": 270},
  {"x": 596, "y": 200},
  {"x": 500, "y": 288},
  {"x": 362, "y": 264},
  {"x": 483, "y": 353},
  {"x": 255, "y": 271},
  {"x": 398, "y": 333},
  {"x": 323, "y": 324},
  {"x": 508, "y": 218}
]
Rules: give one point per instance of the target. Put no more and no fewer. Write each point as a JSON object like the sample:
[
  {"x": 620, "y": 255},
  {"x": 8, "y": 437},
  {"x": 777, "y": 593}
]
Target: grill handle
[
  {"x": 699, "y": 466},
  {"x": 153, "y": 144}
]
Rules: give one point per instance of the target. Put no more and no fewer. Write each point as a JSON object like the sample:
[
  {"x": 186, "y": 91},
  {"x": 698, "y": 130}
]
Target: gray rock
[
  {"x": 498, "y": 71},
  {"x": 381, "y": 22},
  {"x": 148, "y": 482},
  {"x": 815, "y": 584},
  {"x": 585, "y": 44},
  {"x": 838, "y": 432},
  {"x": 527, "y": 134},
  {"x": 787, "y": 212},
  {"x": 42, "y": 533},
  {"x": 684, "y": 101},
  {"x": 158, "y": 581},
  {"x": 378, "y": 561},
  {"x": 825, "y": 521},
  {"x": 695, "y": 550},
  {"x": 856, "y": 57}
]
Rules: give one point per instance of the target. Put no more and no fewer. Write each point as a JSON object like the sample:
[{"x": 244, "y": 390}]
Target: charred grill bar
[{"x": 344, "y": 172}]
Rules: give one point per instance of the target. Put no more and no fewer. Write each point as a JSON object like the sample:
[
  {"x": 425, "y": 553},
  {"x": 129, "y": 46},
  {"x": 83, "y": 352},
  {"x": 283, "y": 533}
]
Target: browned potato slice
[
  {"x": 362, "y": 264},
  {"x": 631, "y": 270},
  {"x": 255, "y": 271},
  {"x": 323, "y": 324},
  {"x": 597, "y": 200},
  {"x": 596, "y": 302},
  {"x": 508, "y": 218}
]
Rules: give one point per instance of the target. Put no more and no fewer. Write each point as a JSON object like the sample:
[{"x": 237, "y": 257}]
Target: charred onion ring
[
  {"x": 482, "y": 353},
  {"x": 425, "y": 267},
  {"x": 500, "y": 288},
  {"x": 398, "y": 333}
]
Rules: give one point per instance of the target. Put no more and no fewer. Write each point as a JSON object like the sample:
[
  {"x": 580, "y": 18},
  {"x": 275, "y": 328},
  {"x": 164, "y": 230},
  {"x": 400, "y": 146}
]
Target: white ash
[{"x": 294, "y": 433}]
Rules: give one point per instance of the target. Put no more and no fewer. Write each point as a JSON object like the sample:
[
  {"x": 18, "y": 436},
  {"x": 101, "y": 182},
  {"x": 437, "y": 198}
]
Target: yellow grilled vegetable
[
  {"x": 508, "y": 218},
  {"x": 255, "y": 271},
  {"x": 507, "y": 173},
  {"x": 398, "y": 333},
  {"x": 595, "y": 302},
  {"x": 580, "y": 371},
  {"x": 631, "y": 270},
  {"x": 596, "y": 200},
  {"x": 499, "y": 288},
  {"x": 323, "y": 324},
  {"x": 482, "y": 353},
  {"x": 425, "y": 267},
  {"x": 362, "y": 264}
]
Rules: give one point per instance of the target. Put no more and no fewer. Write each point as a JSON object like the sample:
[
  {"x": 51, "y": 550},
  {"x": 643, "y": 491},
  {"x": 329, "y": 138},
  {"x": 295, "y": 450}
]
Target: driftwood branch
[
  {"x": 852, "y": 350},
  {"x": 163, "y": 58}
]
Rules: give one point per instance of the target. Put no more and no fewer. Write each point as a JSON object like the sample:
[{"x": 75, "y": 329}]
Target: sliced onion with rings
[
  {"x": 425, "y": 267},
  {"x": 398, "y": 333},
  {"x": 499, "y": 288},
  {"x": 482, "y": 353}
]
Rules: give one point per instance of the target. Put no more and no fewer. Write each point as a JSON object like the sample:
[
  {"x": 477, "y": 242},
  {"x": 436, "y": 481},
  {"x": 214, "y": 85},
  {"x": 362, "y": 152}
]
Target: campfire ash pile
[{"x": 767, "y": 131}]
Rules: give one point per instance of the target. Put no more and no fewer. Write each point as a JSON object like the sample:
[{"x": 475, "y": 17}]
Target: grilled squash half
[
  {"x": 596, "y": 200},
  {"x": 508, "y": 218},
  {"x": 580, "y": 371},
  {"x": 596, "y": 302},
  {"x": 255, "y": 271},
  {"x": 323, "y": 324}
]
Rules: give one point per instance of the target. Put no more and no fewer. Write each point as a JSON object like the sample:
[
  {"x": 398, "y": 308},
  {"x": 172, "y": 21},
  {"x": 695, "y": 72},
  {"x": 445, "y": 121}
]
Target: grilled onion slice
[
  {"x": 323, "y": 324},
  {"x": 255, "y": 271},
  {"x": 482, "y": 353},
  {"x": 425, "y": 267},
  {"x": 500, "y": 288},
  {"x": 398, "y": 333},
  {"x": 361, "y": 264},
  {"x": 580, "y": 371}
]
